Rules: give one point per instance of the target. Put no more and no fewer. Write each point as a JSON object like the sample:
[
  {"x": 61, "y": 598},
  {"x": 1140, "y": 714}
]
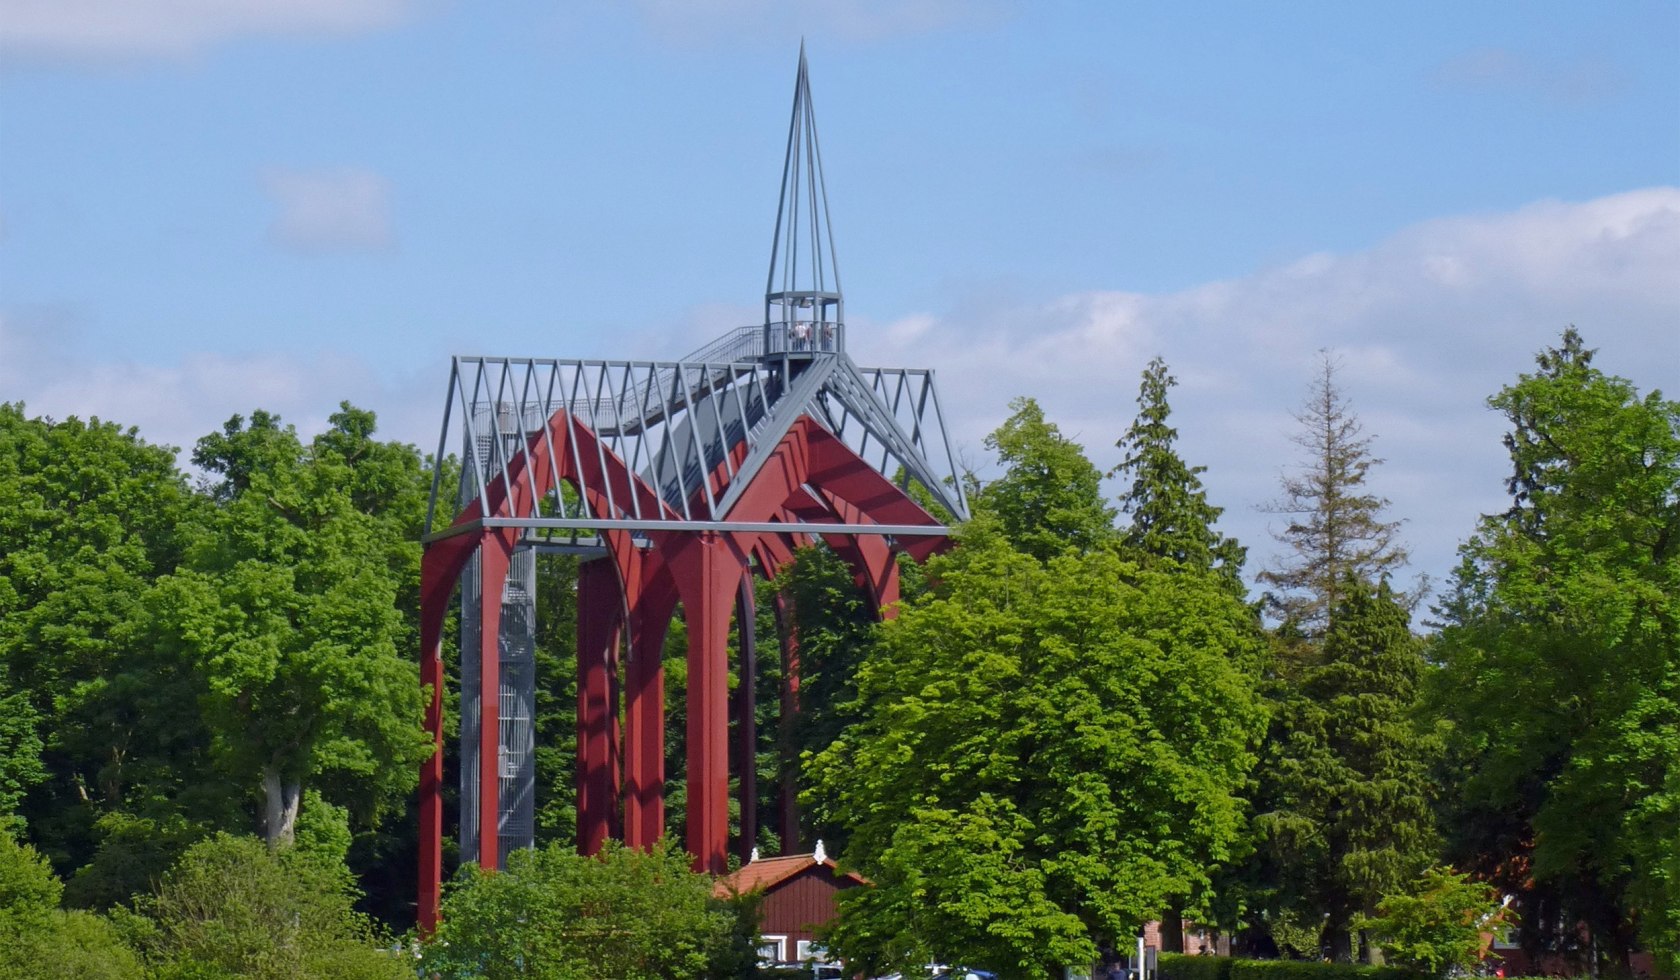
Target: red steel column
[
  {"x": 440, "y": 569},
  {"x": 599, "y": 624},
  {"x": 494, "y": 557},
  {"x": 707, "y": 569},
  {"x": 644, "y": 714},
  {"x": 746, "y": 716},
  {"x": 788, "y": 628}
]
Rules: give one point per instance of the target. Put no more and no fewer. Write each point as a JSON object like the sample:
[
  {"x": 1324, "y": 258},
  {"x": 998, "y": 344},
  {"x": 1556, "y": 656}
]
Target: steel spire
[{"x": 803, "y": 309}]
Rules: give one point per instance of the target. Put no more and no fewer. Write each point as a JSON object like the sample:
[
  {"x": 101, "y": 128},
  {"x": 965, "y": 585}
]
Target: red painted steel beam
[
  {"x": 600, "y": 618},
  {"x": 707, "y": 569}
]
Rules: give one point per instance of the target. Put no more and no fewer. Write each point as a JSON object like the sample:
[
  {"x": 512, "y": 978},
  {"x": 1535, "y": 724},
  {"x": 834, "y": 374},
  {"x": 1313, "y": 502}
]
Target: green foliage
[
  {"x": 1177, "y": 966},
  {"x": 323, "y": 835},
  {"x": 1044, "y": 751},
  {"x": 1560, "y": 672},
  {"x": 40, "y": 941},
  {"x": 1170, "y": 515},
  {"x": 1308, "y": 970},
  {"x": 232, "y": 907},
  {"x": 1346, "y": 805},
  {"x": 89, "y": 514},
  {"x": 27, "y": 882},
  {"x": 287, "y": 606},
  {"x": 64, "y": 946},
  {"x": 557, "y": 915},
  {"x": 1336, "y": 529},
  {"x": 1440, "y": 924},
  {"x": 1050, "y": 496},
  {"x": 134, "y": 852}
]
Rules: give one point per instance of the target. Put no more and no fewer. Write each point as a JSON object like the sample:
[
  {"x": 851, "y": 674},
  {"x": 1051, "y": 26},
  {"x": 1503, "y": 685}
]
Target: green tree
[
  {"x": 233, "y": 908},
  {"x": 1346, "y": 805},
  {"x": 1170, "y": 523},
  {"x": 41, "y": 942},
  {"x": 1050, "y": 496},
  {"x": 1440, "y": 924},
  {"x": 89, "y": 515},
  {"x": 1336, "y": 531},
  {"x": 1045, "y": 751},
  {"x": 1560, "y": 672},
  {"x": 557, "y": 915},
  {"x": 1170, "y": 517},
  {"x": 288, "y": 607}
]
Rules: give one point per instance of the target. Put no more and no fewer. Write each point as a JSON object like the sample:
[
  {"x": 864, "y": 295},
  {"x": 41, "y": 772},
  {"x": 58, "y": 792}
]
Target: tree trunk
[
  {"x": 1340, "y": 941},
  {"x": 1172, "y": 926},
  {"x": 1373, "y": 951},
  {"x": 281, "y": 808}
]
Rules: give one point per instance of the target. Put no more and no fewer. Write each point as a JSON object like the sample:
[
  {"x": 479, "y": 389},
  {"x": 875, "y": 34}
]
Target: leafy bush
[
  {"x": 1440, "y": 925},
  {"x": 40, "y": 942},
  {"x": 556, "y": 915},
  {"x": 1310, "y": 970},
  {"x": 231, "y": 907},
  {"x": 1177, "y": 966}
]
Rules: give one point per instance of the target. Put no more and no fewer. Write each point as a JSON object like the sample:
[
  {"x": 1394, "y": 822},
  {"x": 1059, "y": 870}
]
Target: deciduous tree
[
  {"x": 1561, "y": 671},
  {"x": 1049, "y": 498},
  {"x": 288, "y": 607},
  {"x": 1044, "y": 752}
]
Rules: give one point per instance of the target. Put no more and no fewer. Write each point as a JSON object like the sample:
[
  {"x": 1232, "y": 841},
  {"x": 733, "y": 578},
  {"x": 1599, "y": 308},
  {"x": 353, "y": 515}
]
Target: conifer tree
[
  {"x": 1336, "y": 528},
  {"x": 1348, "y": 817},
  {"x": 1170, "y": 514}
]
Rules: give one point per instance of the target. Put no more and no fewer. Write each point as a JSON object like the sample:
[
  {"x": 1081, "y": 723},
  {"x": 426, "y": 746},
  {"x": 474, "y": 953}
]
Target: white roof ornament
[
  {"x": 819, "y": 855},
  {"x": 753, "y": 856}
]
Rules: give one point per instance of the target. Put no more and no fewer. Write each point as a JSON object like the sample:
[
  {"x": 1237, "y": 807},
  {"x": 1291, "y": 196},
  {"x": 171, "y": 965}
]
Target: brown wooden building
[{"x": 799, "y": 892}]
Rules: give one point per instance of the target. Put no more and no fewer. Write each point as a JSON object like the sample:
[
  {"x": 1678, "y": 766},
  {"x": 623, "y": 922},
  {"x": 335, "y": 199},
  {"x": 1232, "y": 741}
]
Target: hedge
[
  {"x": 1308, "y": 970},
  {"x": 1175, "y": 966}
]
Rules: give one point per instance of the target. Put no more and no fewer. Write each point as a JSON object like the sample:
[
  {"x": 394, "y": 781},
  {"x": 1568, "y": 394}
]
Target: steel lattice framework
[{"x": 676, "y": 481}]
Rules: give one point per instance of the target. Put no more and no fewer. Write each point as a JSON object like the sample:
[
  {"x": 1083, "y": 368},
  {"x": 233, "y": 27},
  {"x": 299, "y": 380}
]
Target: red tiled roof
[{"x": 766, "y": 873}]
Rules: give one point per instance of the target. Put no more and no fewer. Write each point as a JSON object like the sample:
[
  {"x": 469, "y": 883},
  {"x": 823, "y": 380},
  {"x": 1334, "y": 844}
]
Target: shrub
[
  {"x": 231, "y": 907},
  {"x": 1440, "y": 925},
  {"x": 1177, "y": 966},
  {"x": 1309, "y": 970},
  {"x": 556, "y": 915},
  {"x": 40, "y": 942}
]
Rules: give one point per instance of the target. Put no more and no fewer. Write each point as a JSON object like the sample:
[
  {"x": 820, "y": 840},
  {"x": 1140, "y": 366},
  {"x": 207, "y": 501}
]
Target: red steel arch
[{"x": 812, "y": 478}]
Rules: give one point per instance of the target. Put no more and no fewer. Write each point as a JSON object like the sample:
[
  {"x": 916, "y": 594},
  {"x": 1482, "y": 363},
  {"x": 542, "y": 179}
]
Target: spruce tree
[
  {"x": 1336, "y": 528},
  {"x": 1170, "y": 514},
  {"x": 1348, "y": 817}
]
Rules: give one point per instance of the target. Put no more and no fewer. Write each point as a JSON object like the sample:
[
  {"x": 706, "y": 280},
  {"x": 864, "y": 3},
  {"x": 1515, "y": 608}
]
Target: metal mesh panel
[{"x": 515, "y": 750}]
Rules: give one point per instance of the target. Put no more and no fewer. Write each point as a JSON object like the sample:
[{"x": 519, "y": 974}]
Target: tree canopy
[
  {"x": 1168, "y": 510},
  {"x": 1560, "y": 666},
  {"x": 1045, "y": 751}
]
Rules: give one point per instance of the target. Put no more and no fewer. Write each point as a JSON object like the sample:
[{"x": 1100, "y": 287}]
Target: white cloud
[
  {"x": 853, "y": 20},
  {"x": 172, "y": 28},
  {"x": 321, "y": 210},
  {"x": 176, "y": 404},
  {"x": 1426, "y": 325},
  {"x": 1420, "y": 350}
]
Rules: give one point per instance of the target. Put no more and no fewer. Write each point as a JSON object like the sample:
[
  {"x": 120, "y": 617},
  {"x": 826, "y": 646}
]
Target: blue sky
[{"x": 209, "y": 206}]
